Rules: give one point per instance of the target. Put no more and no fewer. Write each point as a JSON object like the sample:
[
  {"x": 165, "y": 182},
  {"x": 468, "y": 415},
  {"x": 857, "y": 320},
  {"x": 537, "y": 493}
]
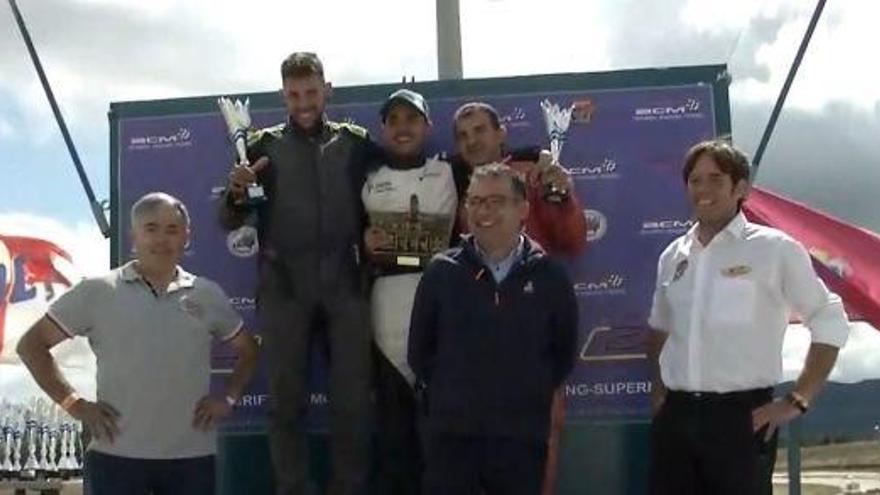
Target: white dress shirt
[{"x": 726, "y": 306}]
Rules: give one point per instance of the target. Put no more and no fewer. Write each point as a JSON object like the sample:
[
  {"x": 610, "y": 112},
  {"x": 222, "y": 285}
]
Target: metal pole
[
  {"x": 780, "y": 101},
  {"x": 97, "y": 209},
  {"x": 794, "y": 457},
  {"x": 448, "y": 40}
]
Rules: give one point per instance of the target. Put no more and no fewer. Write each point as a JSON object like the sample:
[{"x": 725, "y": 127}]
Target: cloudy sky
[{"x": 825, "y": 151}]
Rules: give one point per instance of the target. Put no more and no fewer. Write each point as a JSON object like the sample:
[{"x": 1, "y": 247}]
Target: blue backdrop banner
[{"x": 624, "y": 150}]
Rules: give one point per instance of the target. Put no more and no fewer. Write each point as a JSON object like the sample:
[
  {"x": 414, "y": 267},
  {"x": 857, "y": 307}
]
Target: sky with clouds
[{"x": 824, "y": 153}]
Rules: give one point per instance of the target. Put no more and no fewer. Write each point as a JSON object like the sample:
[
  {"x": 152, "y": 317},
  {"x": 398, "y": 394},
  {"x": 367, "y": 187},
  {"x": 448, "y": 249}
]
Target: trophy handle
[{"x": 241, "y": 148}]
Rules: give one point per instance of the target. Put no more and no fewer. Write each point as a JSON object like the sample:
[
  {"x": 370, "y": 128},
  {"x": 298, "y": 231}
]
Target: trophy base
[
  {"x": 554, "y": 195},
  {"x": 255, "y": 195},
  {"x": 394, "y": 261},
  {"x": 412, "y": 261}
]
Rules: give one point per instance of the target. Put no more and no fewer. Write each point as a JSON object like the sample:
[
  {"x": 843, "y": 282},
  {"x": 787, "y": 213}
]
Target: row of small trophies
[{"x": 39, "y": 441}]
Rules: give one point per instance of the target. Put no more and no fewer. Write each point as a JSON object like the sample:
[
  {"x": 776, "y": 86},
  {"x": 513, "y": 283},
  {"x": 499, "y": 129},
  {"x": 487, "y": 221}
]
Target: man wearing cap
[
  {"x": 150, "y": 325},
  {"x": 311, "y": 274},
  {"x": 722, "y": 302},
  {"x": 407, "y": 181}
]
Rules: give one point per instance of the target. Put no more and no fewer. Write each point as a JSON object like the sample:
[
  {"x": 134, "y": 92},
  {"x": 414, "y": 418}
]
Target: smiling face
[
  {"x": 305, "y": 98},
  {"x": 712, "y": 193},
  {"x": 404, "y": 131},
  {"x": 159, "y": 236},
  {"x": 477, "y": 139},
  {"x": 495, "y": 213}
]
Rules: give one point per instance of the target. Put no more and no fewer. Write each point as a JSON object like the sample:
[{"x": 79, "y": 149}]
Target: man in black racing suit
[{"x": 310, "y": 275}]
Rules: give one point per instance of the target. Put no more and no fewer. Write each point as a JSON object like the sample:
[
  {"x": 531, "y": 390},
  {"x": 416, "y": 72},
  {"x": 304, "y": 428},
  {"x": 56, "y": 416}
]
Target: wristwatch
[{"x": 798, "y": 401}]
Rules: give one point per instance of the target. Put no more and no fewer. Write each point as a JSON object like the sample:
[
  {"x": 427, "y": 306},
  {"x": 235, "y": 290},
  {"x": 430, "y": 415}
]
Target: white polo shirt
[
  {"x": 726, "y": 306},
  {"x": 153, "y": 353}
]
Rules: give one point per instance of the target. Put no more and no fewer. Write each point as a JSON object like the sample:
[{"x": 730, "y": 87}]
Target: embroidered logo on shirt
[
  {"x": 679, "y": 270},
  {"x": 191, "y": 307},
  {"x": 529, "y": 288},
  {"x": 736, "y": 271}
]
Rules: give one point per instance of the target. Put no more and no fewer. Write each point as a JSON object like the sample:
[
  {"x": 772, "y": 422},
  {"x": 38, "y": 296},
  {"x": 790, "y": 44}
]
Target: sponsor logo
[
  {"x": 666, "y": 226},
  {"x": 613, "y": 284},
  {"x": 243, "y": 303},
  {"x": 608, "y": 388},
  {"x": 606, "y": 169},
  {"x": 597, "y": 225},
  {"x": 515, "y": 118},
  {"x": 180, "y": 139},
  {"x": 217, "y": 192},
  {"x": 605, "y": 344},
  {"x": 243, "y": 242},
  {"x": 689, "y": 108},
  {"x": 253, "y": 400}
]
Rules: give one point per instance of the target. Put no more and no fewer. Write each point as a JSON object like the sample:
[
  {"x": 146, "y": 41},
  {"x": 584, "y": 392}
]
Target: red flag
[
  {"x": 846, "y": 257},
  {"x": 36, "y": 260},
  {"x": 7, "y": 270}
]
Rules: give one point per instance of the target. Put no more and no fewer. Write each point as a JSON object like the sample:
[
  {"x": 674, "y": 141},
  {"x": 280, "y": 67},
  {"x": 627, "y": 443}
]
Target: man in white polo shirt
[
  {"x": 150, "y": 325},
  {"x": 721, "y": 305}
]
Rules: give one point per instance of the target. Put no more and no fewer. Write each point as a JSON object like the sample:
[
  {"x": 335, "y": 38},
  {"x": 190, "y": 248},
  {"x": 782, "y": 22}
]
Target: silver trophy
[
  {"x": 557, "y": 120},
  {"x": 238, "y": 121},
  {"x": 67, "y": 462},
  {"x": 7, "y": 439},
  {"x": 53, "y": 425},
  {"x": 76, "y": 446},
  {"x": 31, "y": 465},
  {"x": 18, "y": 430},
  {"x": 64, "y": 462}
]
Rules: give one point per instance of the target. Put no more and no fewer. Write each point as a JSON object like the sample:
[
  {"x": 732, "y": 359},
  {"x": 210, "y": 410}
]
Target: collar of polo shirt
[{"x": 184, "y": 279}]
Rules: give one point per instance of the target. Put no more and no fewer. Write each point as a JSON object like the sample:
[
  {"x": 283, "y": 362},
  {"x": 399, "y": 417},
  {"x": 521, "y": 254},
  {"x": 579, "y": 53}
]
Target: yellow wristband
[{"x": 69, "y": 401}]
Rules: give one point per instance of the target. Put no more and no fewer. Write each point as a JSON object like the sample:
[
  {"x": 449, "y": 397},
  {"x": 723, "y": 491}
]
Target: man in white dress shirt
[{"x": 722, "y": 303}]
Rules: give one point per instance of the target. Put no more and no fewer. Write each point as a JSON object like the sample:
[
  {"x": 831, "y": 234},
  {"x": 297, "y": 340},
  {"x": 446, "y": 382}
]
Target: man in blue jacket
[{"x": 492, "y": 336}]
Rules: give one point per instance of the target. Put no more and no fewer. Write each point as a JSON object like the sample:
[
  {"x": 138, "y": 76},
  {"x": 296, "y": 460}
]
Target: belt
[{"x": 755, "y": 395}]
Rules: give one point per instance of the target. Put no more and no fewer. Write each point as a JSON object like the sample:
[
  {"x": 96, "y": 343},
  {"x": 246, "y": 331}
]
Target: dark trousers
[
  {"x": 112, "y": 475},
  {"x": 703, "y": 443},
  {"x": 398, "y": 448},
  {"x": 483, "y": 465},
  {"x": 288, "y": 325}
]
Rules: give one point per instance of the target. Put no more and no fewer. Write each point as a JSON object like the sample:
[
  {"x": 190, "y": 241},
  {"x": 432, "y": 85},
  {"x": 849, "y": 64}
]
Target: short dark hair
[
  {"x": 302, "y": 64},
  {"x": 731, "y": 161},
  {"x": 473, "y": 107},
  {"x": 502, "y": 171}
]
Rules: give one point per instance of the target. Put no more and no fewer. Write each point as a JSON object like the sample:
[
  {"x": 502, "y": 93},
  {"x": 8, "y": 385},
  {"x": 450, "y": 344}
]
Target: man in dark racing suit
[{"x": 310, "y": 275}]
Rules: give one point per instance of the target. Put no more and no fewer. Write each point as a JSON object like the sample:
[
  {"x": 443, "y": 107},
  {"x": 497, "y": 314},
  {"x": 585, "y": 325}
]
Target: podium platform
[{"x": 595, "y": 458}]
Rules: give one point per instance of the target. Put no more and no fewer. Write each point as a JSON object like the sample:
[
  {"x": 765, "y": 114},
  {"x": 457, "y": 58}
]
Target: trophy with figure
[
  {"x": 31, "y": 430},
  {"x": 8, "y": 443},
  {"x": 238, "y": 121},
  {"x": 557, "y": 121}
]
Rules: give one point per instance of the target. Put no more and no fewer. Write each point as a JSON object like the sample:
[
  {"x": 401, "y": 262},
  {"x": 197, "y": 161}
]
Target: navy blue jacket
[{"x": 491, "y": 355}]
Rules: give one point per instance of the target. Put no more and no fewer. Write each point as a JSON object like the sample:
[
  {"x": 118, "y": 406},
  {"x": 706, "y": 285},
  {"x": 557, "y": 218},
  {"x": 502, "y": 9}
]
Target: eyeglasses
[{"x": 493, "y": 201}]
